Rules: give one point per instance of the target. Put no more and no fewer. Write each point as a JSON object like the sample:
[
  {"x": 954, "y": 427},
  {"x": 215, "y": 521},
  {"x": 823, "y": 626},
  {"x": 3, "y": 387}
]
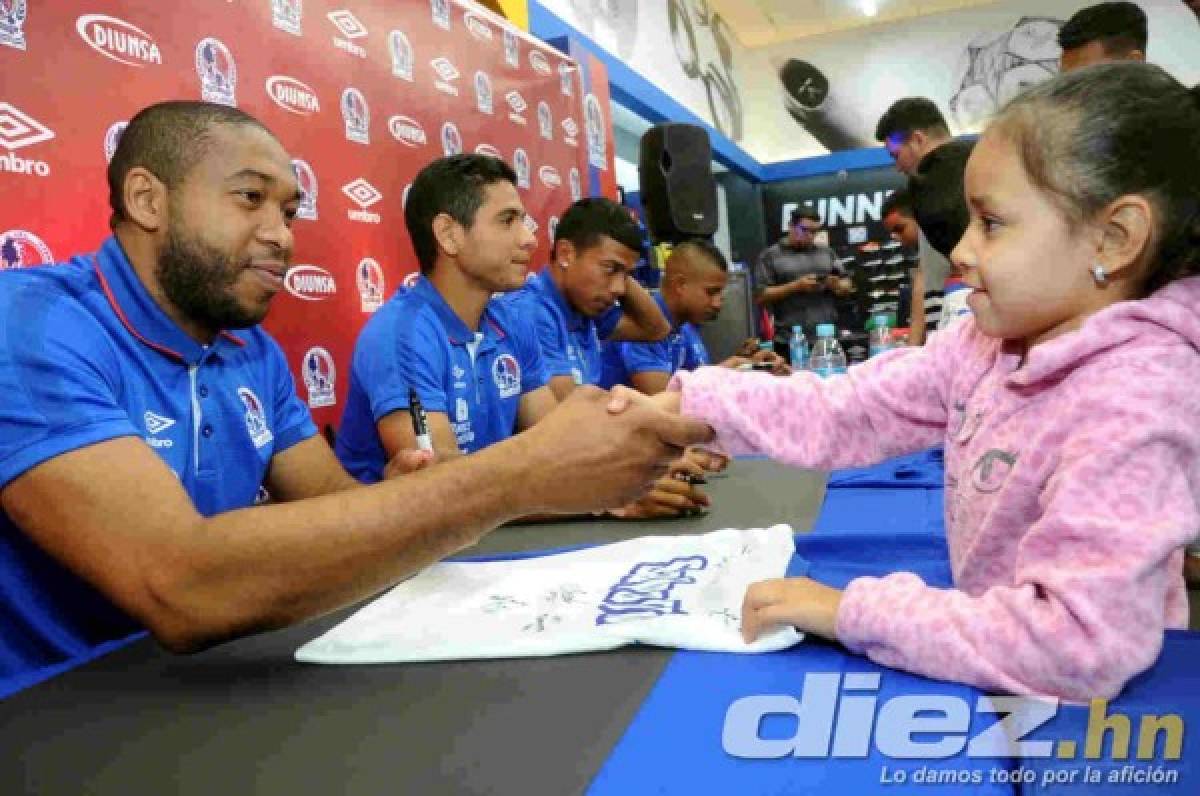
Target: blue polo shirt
[
  {"x": 682, "y": 349},
  {"x": 86, "y": 356},
  {"x": 570, "y": 340},
  {"x": 416, "y": 340}
]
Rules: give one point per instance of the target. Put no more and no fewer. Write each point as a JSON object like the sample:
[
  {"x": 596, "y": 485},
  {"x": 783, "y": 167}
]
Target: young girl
[{"x": 1067, "y": 404}]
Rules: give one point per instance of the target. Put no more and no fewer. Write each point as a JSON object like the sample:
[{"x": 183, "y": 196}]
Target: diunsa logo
[
  {"x": 119, "y": 40},
  {"x": 407, "y": 131},
  {"x": 292, "y": 95},
  {"x": 539, "y": 63},
  {"x": 549, "y": 176},
  {"x": 310, "y": 283},
  {"x": 479, "y": 29},
  {"x": 444, "y": 68}
]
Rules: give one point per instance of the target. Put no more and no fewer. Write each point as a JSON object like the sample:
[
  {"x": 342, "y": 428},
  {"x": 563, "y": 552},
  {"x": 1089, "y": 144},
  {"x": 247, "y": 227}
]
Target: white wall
[{"x": 627, "y": 175}]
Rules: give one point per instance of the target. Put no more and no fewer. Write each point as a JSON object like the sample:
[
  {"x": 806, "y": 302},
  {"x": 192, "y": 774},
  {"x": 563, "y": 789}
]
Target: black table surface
[{"x": 245, "y": 718}]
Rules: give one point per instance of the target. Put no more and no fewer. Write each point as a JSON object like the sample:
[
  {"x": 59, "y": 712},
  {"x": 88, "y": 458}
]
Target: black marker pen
[{"x": 419, "y": 422}]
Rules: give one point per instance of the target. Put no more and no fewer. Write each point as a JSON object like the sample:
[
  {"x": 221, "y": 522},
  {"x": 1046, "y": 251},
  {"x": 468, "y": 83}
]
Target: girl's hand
[{"x": 802, "y": 602}]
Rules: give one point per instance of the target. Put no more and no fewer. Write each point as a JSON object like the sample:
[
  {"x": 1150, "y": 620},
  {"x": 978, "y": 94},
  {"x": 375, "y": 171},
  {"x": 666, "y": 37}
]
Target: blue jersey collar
[
  {"x": 458, "y": 332},
  {"x": 141, "y": 316},
  {"x": 545, "y": 285}
]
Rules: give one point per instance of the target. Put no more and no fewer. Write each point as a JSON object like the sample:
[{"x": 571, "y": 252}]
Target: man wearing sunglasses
[{"x": 799, "y": 280}]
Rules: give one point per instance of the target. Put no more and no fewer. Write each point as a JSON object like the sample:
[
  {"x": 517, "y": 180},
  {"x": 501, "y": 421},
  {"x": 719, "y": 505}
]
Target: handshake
[{"x": 597, "y": 450}]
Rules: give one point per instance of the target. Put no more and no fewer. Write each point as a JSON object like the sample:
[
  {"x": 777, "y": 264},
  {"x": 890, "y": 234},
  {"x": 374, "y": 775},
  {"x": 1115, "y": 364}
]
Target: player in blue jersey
[
  {"x": 586, "y": 294},
  {"x": 693, "y": 290},
  {"x": 144, "y": 410},
  {"x": 473, "y": 361}
]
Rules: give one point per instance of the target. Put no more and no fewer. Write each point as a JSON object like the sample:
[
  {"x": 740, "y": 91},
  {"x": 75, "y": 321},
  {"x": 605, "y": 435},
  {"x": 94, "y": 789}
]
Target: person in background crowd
[
  {"x": 798, "y": 280},
  {"x": 940, "y": 209},
  {"x": 1066, "y": 403},
  {"x": 474, "y": 364},
  {"x": 901, "y": 226},
  {"x": 913, "y": 129},
  {"x": 1102, "y": 33},
  {"x": 898, "y": 219},
  {"x": 145, "y": 409}
]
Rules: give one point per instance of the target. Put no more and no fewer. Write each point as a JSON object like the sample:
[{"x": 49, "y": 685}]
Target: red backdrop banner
[{"x": 362, "y": 94}]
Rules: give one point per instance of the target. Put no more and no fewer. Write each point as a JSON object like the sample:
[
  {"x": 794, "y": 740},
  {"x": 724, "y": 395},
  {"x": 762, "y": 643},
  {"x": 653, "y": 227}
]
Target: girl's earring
[{"x": 1099, "y": 275}]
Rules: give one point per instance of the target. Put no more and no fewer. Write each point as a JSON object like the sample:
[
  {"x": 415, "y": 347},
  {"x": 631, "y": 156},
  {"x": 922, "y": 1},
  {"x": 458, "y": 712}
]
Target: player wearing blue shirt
[
  {"x": 473, "y": 360},
  {"x": 136, "y": 429},
  {"x": 574, "y": 300},
  {"x": 693, "y": 287},
  {"x": 575, "y": 303}
]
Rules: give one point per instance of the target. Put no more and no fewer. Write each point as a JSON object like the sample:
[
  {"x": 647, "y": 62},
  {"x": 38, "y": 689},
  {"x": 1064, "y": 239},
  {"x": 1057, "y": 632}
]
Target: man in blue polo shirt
[
  {"x": 587, "y": 294},
  {"x": 473, "y": 361},
  {"x": 136, "y": 429},
  {"x": 693, "y": 287},
  {"x": 586, "y": 298}
]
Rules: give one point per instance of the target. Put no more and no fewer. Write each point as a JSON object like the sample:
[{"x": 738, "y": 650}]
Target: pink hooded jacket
[{"x": 1072, "y": 485}]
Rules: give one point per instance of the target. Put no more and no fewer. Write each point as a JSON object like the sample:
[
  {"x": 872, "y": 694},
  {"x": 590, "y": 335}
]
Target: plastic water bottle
[
  {"x": 827, "y": 355},
  {"x": 880, "y": 337},
  {"x": 798, "y": 348}
]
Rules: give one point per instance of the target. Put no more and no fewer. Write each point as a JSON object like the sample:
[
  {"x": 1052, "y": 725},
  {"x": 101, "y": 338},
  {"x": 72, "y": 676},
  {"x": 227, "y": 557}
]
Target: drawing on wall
[
  {"x": 613, "y": 24},
  {"x": 808, "y": 96},
  {"x": 703, "y": 46},
  {"x": 995, "y": 68}
]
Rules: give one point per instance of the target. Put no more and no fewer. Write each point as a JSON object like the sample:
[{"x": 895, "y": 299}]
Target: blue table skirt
[{"x": 874, "y": 521}]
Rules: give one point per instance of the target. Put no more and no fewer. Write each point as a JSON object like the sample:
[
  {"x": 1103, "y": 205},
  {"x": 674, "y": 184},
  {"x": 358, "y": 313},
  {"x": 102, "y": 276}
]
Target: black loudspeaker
[{"x": 679, "y": 193}]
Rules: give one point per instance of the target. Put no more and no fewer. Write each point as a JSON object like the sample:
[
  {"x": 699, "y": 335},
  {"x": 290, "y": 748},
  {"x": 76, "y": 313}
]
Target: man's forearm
[
  {"x": 642, "y": 310},
  {"x": 275, "y": 565},
  {"x": 777, "y": 293},
  {"x": 916, "y": 332}
]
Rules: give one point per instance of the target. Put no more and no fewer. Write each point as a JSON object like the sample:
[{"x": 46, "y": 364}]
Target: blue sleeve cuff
[
  {"x": 384, "y": 406},
  {"x": 559, "y": 367},
  {"x": 61, "y": 442},
  {"x": 293, "y": 435}
]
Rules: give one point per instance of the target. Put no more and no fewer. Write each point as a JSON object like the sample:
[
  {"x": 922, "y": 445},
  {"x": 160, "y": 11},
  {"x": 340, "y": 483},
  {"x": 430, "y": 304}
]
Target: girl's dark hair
[{"x": 1093, "y": 135}]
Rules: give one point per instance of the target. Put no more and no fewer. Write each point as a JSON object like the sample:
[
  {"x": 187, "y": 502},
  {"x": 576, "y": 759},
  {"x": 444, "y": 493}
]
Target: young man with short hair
[
  {"x": 586, "y": 294},
  {"x": 913, "y": 129},
  {"x": 474, "y": 364},
  {"x": 692, "y": 291},
  {"x": 1102, "y": 33}
]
